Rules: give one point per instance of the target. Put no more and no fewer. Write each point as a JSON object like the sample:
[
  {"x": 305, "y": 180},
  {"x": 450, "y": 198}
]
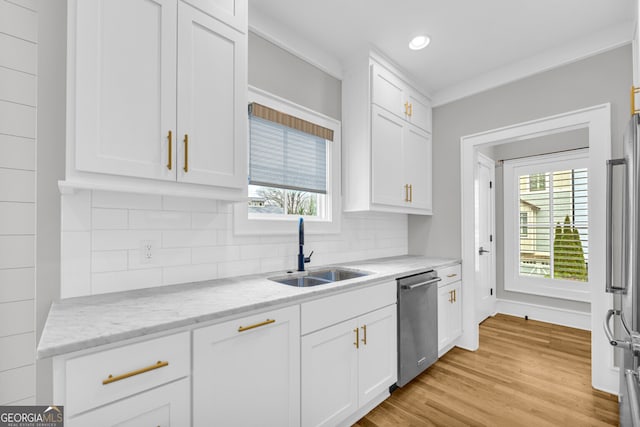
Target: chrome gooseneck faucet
[{"x": 302, "y": 260}]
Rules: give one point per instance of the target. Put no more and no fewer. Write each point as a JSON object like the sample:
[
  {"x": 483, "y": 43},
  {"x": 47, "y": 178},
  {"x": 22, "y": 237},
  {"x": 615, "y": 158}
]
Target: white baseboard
[{"x": 558, "y": 316}]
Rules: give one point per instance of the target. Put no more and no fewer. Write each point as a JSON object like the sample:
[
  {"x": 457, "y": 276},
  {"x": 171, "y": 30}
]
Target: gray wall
[
  {"x": 596, "y": 80},
  {"x": 50, "y": 154},
  {"x": 275, "y": 70}
]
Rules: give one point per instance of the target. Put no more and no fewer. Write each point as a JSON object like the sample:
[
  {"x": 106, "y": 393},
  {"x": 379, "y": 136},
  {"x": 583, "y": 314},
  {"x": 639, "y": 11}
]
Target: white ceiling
[{"x": 469, "y": 37}]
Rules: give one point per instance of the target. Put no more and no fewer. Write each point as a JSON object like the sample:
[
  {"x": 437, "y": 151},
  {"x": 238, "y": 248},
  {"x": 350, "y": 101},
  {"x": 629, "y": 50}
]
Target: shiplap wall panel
[
  {"x": 17, "y": 350},
  {"x": 16, "y": 318},
  {"x": 18, "y": 21},
  {"x": 17, "y": 218},
  {"x": 16, "y": 86},
  {"x": 16, "y": 284},
  {"x": 17, "y": 384},
  {"x": 18, "y": 54},
  {"x": 17, "y": 119},
  {"x": 17, "y": 185},
  {"x": 18, "y": 100},
  {"x": 17, "y": 152}
]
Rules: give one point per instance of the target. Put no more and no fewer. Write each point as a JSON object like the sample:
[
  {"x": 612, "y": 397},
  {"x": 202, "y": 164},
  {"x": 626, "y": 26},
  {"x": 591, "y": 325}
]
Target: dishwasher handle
[{"x": 421, "y": 284}]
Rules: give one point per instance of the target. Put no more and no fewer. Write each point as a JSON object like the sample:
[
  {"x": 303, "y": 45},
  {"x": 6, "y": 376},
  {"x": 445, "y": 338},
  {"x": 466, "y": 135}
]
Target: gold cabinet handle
[
  {"x": 406, "y": 108},
  {"x": 364, "y": 330},
  {"x": 634, "y": 92},
  {"x": 257, "y": 325},
  {"x": 411, "y": 193},
  {"x": 406, "y": 192},
  {"x": 186, "y": 152},
  {"x": 357, "y": 341},
  {"x": 170, "y": 151},
  {"x": 454, "y": 296},
  {"x": 451, "y": 297},
  {"x": 410, "y": 110},
  {"x": 452, "y": 275},
  {"x": 113, "y": 379}
]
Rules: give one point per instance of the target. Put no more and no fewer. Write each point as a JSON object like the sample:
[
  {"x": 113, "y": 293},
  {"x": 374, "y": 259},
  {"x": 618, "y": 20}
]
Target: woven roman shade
[{"x": 284, "y": 156}]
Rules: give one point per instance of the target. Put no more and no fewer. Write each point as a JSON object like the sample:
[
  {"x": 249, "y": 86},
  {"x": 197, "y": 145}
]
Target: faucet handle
[{"x": 308, "y": 259}]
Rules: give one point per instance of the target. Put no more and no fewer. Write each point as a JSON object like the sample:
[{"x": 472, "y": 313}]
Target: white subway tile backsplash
[
  {"x": 214, "y": 254},
  {"x": 188, "y": 204},
  {"x": 189, "y": 273},
  {"x": 103, "y": 261},
  {"x": 161, "y": 258},
  {"x": 109, "y": 240},
  {"x": 108, "y": 199},
  {"x": 17, "y": 284},
  {"x": 110, "y": 219},
  {"x": 125, "y": 280},
  {"x": 17, "y": 251},
  {"x": 189, "y": 238},
  {"x": 17, "y": 218},
  {"x": 210, "y": 221},
  {"x": 193, "y": 240},
  {"x": 76, "y": 211},
  {"x": 159, "y": 220}
]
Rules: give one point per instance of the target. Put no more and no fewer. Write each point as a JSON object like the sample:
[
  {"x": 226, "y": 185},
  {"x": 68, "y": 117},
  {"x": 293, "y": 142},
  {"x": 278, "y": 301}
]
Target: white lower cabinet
[
  {"x": 246, "y": 372},
  {"x": 164, "y": 406},
  {"x": 346, "y": 366},
  {"x": 449, "y": 315}
]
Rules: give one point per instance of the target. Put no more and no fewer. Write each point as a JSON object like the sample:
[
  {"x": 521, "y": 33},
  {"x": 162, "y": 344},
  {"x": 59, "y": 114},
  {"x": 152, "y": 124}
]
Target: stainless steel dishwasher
[{"x": 417, "y": 324}]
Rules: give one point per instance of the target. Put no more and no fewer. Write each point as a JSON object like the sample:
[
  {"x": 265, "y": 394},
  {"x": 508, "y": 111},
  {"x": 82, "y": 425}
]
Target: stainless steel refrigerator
[{"x": 622, "y": 324}]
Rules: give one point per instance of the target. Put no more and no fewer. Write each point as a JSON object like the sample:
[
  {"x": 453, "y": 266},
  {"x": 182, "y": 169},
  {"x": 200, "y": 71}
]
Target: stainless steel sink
[{"x": 319, "y": 277}]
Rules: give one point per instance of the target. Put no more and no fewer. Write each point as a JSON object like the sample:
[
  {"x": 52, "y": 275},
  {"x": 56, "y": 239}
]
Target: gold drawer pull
[
  {"x": 634, "y": 91},
  {"x": 186, "y": 153},
  {"x": 452, "y": 275},
  {"x": 364, "y": 329},
  {"x": 257, "y": 325},
  {"x": 357, "y": 341},
  {"x": 113, "y": 379}
]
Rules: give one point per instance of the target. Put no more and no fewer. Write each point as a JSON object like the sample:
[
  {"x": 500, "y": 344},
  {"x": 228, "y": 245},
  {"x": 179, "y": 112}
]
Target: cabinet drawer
[
  {"x": 133, "y": 368},
  {"x": 165, "y": 406},
  {"x": 328, "y": 311},
  {"x": 449, "y": 274}
]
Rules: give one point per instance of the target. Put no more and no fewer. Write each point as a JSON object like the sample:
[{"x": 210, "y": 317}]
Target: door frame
[
  {"x": 488, "y": 162},
  {"x": 597, "y": 119}
]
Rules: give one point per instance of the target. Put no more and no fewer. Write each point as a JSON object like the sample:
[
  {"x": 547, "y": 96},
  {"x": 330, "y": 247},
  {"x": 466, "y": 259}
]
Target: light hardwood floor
[{"x": 526, "y": 373}]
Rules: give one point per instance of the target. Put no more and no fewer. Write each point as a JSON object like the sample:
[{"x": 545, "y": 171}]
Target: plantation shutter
[{"x": 287, "y": 152}]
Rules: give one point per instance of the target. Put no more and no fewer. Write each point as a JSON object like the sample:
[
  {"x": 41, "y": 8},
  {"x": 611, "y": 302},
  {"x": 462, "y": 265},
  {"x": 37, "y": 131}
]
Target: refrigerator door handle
[
  {"x": 610, "y": 287},
  {"x": 607, "y": 330}
]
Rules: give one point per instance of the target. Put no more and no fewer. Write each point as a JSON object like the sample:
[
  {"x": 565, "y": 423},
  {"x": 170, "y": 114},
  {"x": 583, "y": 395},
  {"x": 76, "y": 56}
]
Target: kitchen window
[
  {"x": 294, "y": 169},
  {"x": 547, "y": 225}
]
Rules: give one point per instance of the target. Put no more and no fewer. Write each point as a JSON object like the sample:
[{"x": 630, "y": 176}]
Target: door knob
[{"x": 482, "y": 251}]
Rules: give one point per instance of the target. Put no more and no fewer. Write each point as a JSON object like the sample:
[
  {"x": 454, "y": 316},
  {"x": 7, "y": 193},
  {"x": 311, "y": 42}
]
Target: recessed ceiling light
[{"x": 419, "y": 42}]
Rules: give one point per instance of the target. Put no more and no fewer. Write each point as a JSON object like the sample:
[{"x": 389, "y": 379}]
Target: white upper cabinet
[
  {"x": 386, "y": 140},
  {"x": 157, "y": 96},
  {"x": 125, "y": 100},
  {"x": 212, "y": 111}
]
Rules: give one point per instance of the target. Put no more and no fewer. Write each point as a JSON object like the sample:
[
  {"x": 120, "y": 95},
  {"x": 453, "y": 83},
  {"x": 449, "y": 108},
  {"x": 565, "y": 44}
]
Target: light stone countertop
[{"x": 80, "y": 323}]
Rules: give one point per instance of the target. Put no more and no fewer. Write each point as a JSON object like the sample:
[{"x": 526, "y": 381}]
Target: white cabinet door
[
  {"x": 387, "y": 90},
  {"x": 378, "y": 355},
  {"x": 246, "y": 372},
  {"x": 329, "y": 375},
  {"x": 420, "y": 110},
  {"x": 164, "y": 406},
  {"x": 212, "y": 112},
  {"x": 387, "y": 187},
  {"x": 125, "y": 86},
  {"x": 449, "y": 315},
  {"x": 417, "y": 167}
]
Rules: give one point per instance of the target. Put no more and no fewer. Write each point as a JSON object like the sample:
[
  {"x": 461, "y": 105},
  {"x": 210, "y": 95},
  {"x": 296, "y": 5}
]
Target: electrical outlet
[{"x": 147, "y": 251}]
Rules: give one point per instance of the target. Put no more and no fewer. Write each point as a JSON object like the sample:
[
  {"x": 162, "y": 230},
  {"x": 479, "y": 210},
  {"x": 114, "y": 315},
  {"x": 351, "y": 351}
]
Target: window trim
[
  {"x": 243, "y": 225},
  {"x": 513, "y": 281}
]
